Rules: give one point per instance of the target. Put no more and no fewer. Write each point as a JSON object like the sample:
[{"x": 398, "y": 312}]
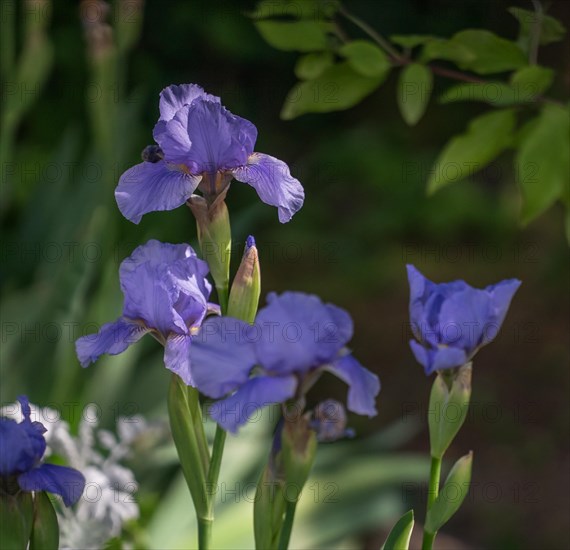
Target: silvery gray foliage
[{"x": 109, "y": 497}]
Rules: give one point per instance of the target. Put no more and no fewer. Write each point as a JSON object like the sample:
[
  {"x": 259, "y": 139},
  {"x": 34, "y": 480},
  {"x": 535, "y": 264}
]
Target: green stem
[
  {"x": 378, "y": 38},
  {"x": 535, "y": 33},
  {"x": 204, "y": 533},
  {"x": 223, "y": 297},
  {"x": 215, "y": 464},
  {"x": 287, "y": 525},
  {"x": 433, "y": 490}
]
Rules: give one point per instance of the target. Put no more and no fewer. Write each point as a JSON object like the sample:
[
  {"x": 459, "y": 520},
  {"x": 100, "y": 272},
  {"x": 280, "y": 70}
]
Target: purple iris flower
[
  {"x": 293, "y": 340},
  {"x": 22, "y": 446},
  {"x": 201, "y": 144},
  {"x": 166, "y": 294},
  {"x": 453, "y": 320}
]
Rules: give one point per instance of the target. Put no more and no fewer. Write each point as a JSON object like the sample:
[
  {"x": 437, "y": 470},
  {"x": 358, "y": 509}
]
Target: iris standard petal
[
  {"x": 222, "y": 355},
  {"x": 151, "y": 187},
  {"x": 150, "y": 296},
  {"x": 274, "y": 184},
  {"x": 112, "y": 338},
  {"x": 298, "y": 332},
  {"x": 363, "y": 385},
  {"x": 60, "y": 480},
  {"x": 174, "y": 97},
  {"x": 237, "y": 409},
  {"x": 177, "y": 356},
  {"x": 439, "y": 358},
  {"x": 165, "y": 285},
  {"x": 501, "y": 295},
  {"x": 156, "y": 253},
  {"x": 16, "y": 450},
  {"x": 464, "y": 318},
  {"x": 206, "y": 137}
]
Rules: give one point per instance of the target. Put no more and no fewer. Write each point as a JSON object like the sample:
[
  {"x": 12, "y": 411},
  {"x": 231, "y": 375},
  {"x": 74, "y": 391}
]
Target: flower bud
[
  {"x": 244, "y": 295},
  {"x": 448, "y": 406},
  {"x": 299, "y": 446},
  {"x": 451, "y": 495},
  {"x": 329, "y": 421},
  {"x": 215, "y": 237}
]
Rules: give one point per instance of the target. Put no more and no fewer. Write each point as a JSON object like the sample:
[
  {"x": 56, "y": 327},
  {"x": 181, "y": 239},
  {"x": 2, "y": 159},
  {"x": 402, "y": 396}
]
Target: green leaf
[
  {"x": 479, "y": 51},
  {"x": 448, "y": 409},
  {"x": 299, "y": 9},
  {"x": 412, "y": 40},
  {"x": 45, "y": 530},
  {"x": 543, "y": 161},
  {"x": 188, "y": 433},
  {"x": 365, "y": 58},
  {"x": 531, "y": 82},
  {"x": 497, "y": 94},
  {"x": 268, "y": 509},
  {"x": 551, "y": 29},
  {"x": 451, "y": 495},
  {"x": 312, "y": 65},
  {"x": 414, "y": 90},
  {"x": 16, "y": 517},
  {"x": 399, "y": 537},
  {"x": 338, "y": 87},
  {"x": 486, "y": 137},
  {"x": 302, "y": 36}
]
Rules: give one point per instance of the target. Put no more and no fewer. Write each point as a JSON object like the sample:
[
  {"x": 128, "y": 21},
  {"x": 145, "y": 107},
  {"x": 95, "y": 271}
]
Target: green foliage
[
  {"x": 365, "y": 58},
  {"x": 531, "y": 82},
  {"x": 300, "y": 9},
  {"x": 551, "y": 29},
  {"x": 328, "y": 86},
  {"x": 480, "y": 51},
  {"x": 312, "y": 65},
  {"x": 399, "y": 537},
  {"x": 487, "y": 136},
  {"x": 45, "y": 530},
  {"x": 302, "y": 36},
  {"x": 412, "y": 40},
  {"x": 543, "y": 161},
  {"x": 451, "y": 495},
  {"x": 16, "y": 517},
  {"x": 497, "y": 94},
  {"x": 337, "y": 88},
  {"x": 414, "y": 91}
]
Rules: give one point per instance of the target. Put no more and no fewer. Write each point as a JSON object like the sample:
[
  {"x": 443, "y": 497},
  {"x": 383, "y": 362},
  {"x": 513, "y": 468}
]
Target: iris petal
[
  {"x": 274, "y": 184},
  {"x": 60, "y": 480},
  {"x": 152, "y": 187},
  {"x": 298, "y": 332},
  {"x": 112, "y": 338},
  {"x": 236, "y": 410},
  {"x": 177, "y": 357},
  {"x": 363, "y": 385},
  {"x": 222, "y": 355}
]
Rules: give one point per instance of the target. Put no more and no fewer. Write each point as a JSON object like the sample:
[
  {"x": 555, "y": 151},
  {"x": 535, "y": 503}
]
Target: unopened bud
[
  {"x": 329, "y": 421},
  {"x": 246, "y": 288}
]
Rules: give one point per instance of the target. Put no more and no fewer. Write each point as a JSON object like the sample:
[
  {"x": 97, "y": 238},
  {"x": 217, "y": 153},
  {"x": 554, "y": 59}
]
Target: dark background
[{"x": 366, "y": 215}]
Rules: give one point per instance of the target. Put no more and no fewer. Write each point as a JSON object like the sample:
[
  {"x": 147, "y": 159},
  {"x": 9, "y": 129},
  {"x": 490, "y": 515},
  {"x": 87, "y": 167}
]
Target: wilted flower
[
  {"x": 329, "y": 421},
  {"x": 293, "y": 340},
  {"x": 166, "y": 294},
  {"x": 202, "y": 145},
  {"x": 453, "y": 320},
  {"x": 22, "y": 446}
]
